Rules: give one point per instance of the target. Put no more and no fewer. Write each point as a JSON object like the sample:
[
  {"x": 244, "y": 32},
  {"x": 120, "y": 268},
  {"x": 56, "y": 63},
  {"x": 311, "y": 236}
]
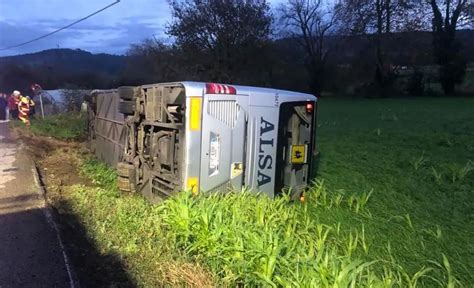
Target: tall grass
[
  {"x": 250, "y": 240},
  {"x": 70, "y": 126},
  {"x": 99, "y": 173}
]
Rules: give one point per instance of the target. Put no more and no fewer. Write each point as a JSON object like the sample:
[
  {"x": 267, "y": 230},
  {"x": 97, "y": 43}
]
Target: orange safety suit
[{"x": 24, "y": 109}]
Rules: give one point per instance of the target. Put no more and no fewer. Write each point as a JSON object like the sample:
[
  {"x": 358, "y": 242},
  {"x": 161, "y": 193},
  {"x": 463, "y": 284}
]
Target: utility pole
[
  {"x": 41, "y": 104},
  {"x": 39, "y": 91}
]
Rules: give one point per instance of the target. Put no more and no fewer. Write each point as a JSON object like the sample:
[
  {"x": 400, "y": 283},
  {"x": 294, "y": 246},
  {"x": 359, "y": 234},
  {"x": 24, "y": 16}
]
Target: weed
[
  {"x": 438, "y": 176},
  {"x": 351, "y": 243},
  {"x": 363, "y": 199},
  {"x": 446, "y": 142},
  {"x": 459, "y": 173},
  {"x": 363, "y": 240},
  {"x": 436, "y": 234},
  {"x": 408, "y": 221},
  {"x": 451, "y": 281},
  {"x": 464, "y": 171},
  {"x": 338, "y": 200},
  {"x": 419, "y": 162},
  {"x": 351, "y": 200}
]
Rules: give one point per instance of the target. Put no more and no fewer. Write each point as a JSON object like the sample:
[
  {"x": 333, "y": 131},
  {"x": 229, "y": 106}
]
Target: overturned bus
[{"x": 208, "y": 137}]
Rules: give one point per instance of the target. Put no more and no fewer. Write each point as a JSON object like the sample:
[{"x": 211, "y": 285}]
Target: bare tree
[
  {"x": 369, "y": 16},
  {"x": 447, "y": 16},
  {"x": 379, "y": 19},
  {"x": 410, "y": 15},
  {"x": 311, "y": 21},
  {"x": 225, "y": 36},
  {"x": 355, "y": 17}
]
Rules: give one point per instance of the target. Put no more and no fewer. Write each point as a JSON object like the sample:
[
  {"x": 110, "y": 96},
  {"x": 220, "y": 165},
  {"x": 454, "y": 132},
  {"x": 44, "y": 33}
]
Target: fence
[{"x": 107, "y": 127}]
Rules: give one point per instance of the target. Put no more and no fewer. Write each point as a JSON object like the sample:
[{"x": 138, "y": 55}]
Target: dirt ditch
[{"x": 58, "y": 163}]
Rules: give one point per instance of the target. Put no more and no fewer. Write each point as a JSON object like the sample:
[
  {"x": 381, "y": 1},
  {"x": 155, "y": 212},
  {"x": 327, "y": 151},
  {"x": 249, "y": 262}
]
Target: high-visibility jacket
[{"x": 24, "y": 109}]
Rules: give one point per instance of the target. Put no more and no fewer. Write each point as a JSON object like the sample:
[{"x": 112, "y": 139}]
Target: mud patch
[
  {"x": 57, "y": 160},
  {"x": 59, "y": 169}
]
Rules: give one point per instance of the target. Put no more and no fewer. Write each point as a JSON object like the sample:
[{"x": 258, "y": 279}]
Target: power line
[{"x": 60, "y": 29}]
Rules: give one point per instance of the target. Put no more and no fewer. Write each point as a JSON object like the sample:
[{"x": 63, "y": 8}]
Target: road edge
[{"x": 48, "y": 213}]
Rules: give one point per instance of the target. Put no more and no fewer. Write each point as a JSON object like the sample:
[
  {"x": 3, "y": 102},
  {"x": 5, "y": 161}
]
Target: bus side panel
[{"x": 261, "y": 153}]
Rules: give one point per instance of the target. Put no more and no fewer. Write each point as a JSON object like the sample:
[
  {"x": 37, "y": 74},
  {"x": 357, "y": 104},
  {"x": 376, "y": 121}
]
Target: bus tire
[
  {"x": 126, "y": 107},
  {"x": 127, "y": 184},
  {"x": 124, "y": 168},
  {"x": 126, "y": 92},
  {"x": 124, "y": 184}
]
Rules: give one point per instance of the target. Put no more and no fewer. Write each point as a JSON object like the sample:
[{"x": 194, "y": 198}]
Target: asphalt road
[{"x": 30, "y": 250}]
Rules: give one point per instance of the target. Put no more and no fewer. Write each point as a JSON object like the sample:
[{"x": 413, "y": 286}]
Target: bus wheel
[
  {"x": 126, "y": 92},
  {"x": 126, "y": 180},
  {"x": 126, "y": 107}
]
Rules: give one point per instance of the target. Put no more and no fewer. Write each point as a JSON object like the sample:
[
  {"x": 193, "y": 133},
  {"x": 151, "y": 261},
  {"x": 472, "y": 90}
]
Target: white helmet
[{"x": 16, "y": 93}]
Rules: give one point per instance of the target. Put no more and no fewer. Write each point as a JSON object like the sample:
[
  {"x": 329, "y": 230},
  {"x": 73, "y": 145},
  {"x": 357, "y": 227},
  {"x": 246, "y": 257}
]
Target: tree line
[
  {"x": 300, "y": 44},
  {"x": 359, "y": 47}
]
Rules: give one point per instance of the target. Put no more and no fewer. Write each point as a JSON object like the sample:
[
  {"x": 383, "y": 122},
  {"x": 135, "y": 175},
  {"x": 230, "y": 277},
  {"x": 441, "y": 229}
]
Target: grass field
[
  {"x": 416, "y": 156},
  {"x": 393, "y": 206},
  {"x": 61, "y": 126}
]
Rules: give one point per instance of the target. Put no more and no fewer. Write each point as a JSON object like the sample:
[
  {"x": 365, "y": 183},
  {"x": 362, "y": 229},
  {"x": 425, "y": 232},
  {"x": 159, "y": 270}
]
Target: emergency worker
[
  {"x": 3, "y": 106},
  {"x": 13, "y": 104},
  {"x": 24, "y": 106}
]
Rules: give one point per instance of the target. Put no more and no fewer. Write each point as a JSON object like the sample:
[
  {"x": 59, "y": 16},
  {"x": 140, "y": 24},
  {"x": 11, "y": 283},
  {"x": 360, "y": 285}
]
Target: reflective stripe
[{"x": 195, "y": 113}]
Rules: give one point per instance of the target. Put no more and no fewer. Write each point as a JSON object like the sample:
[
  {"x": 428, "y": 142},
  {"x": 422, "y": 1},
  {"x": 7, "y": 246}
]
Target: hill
[
  {"x": 56, "y": 68},
  {"x": 76, "y": 61}
]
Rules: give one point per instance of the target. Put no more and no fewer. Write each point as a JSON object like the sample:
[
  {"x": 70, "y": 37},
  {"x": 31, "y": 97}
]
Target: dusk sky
[{"x": 111, "y": 31}]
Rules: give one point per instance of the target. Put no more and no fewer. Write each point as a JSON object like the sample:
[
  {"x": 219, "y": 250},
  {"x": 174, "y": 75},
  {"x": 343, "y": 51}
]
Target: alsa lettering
[{"x": 265, "y": 160}]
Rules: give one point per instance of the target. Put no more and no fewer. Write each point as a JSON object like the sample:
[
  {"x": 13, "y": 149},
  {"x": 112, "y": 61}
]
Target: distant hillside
[
  {"x": 60, "y": 68},
  {"x": 69, "y": 60}
]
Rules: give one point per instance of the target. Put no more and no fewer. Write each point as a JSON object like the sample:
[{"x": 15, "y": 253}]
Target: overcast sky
[{"x": 111, "y": 31}]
